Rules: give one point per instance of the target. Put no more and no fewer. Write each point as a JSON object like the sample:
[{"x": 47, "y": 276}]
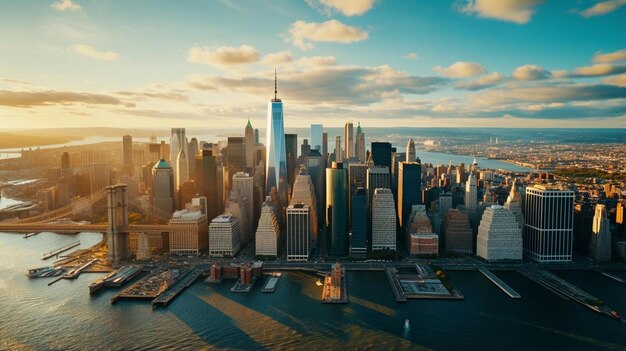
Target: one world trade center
[{"x": 276, "y": 165}]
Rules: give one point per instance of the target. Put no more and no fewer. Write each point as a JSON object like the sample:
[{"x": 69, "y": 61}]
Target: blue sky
[{"x": 159, "y": 64}]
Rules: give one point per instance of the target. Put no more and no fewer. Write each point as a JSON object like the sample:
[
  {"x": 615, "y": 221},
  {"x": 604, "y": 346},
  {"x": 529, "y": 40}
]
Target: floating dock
[
  {"x": 499, "y": 283},
  {"x": 617, "y": 279},
  {"x": 183, "y": 283},
  {"x": 272, "y": 282},
  {"x": 26, "y": 236},
  {"x": 59, "y": 250}
]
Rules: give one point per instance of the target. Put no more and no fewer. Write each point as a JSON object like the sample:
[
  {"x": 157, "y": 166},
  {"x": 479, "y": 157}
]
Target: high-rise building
[
  {"x": 357, "y": 177},
  {"x": 291, "y": 147},
  {"x": 236, "y": 156},
  {"x": 182, "y": 168},
  {"x": 127, "y": 154},
  {"x": 304, "y": 193},
  {"x": 338, "y": 152},
  {"x": 325, "y": 148},
  {"x": 193, "y": 151},
  {"x": 377, "y": 177},
  {"x": 315, "y": 168},
  {"x": 224, "y": 236},
  {"x": 383, "y": 220},
  {"x": 600, "y": 243},
  {"x": 499, "y": 236},
  {"x": 305, "y": 148},
  {"x": 514, "y": 204},
  {"x": 276, "y": 153},
  {"x": 337, "y": 209},
  {"x": 471, "y": 194},
  {"x": 458, "y": 232},
  {"x": 163, "y": 188},
  {"x": 245, "y": 184},
  {"x": 348, "y": 138},
  {"x": 189, "y": 232},
  {"x": 359, "y": 144},
  {"x": 411, "y": 155},
  {"x": 65, "y": 161},
  {"x": 316, "y": 136},
  {"x": 422, "y": 241},
  {"x": 267, "y": 236},
  {"x": 358, "y": 212},
  {"x": 409, "y": 189},
  {"x": 381, "y": 154},
  {"x": 548, "y": 223},
  {"x": 206, "y": 181},
  {"x": 99, "y": 176},
  {"x": 238, "y": 204},
  {"x": 178, "y": 142},
  {"x": 250, "y": 147},
  {"x": 298, "y": 232}
]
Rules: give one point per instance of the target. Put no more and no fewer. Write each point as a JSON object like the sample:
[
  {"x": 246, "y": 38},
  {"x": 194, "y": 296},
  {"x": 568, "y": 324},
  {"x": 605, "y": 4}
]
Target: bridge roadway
[{"x": 77, "y": 228}]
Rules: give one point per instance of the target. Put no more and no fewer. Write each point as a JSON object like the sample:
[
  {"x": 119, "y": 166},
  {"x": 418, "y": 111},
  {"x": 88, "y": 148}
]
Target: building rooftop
[{"x": 162, "y": 164}]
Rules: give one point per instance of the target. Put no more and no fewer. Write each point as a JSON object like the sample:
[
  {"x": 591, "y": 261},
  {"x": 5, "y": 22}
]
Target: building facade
[
  {"x": 499, "y": 235},
  {"x": 224, "y": 236},
  {"x": 383, "y": 220},
  {"x": 298, "y": 232}
]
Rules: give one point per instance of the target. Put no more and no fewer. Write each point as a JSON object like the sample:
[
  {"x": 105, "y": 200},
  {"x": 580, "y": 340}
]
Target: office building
[
  {"x": 250, "y": 144},
  {"x": 471, "y": 194},
  {"x": 315, "y": 168},
  {"x": 499, "y": 235},
  {"x": 304, "y": 193},
  {"x": 127, "y": 154},
  {"x": 548, "y": 223},
  {"x": 383, "y": 220},
  {"x": 409, "y": 189},
  {"x": 224, "y": 237},
  {"x": 600, "y": 243},
  {"x": 411, "y": 154},
  {"x": 358, "y": 211},
  {"x": 348, "y": 138},
  {"x": 189, "y": 229},
  {"x": 244, "y": 183},
  {"x": 338, "y": 153},
  {"x": 276, "y": 153},
  {"x": 457, "y": 232},
  {"x": 514, "y": 204},
  {"x": 325, "y": 148},
  {"x": 381, "y": 154},
  {"x": 163, "y": 189},
  {"x": 291, "y": 147},
  {"x": 178, "y": 142},
  {"x": 267, "y": 236},
  {"x": 206, "y": 182},
  {"x": 337, "y": 209},
  {"x": 316, "y": 136},
  {"x": 182, "y": 168},
  {"x": 359, "y": 144},
  {"x": 377, "y": 177},
  {"x": 236, "y": 156},
  {"x": 238, "y": 205},
  {"x": 298, "y": 231}
]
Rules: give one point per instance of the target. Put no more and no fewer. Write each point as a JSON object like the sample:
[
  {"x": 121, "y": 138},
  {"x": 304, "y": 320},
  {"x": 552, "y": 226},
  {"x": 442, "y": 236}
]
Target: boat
[
  {"x": 319, "y": 282},
  {"x": 406, "y": 324}
]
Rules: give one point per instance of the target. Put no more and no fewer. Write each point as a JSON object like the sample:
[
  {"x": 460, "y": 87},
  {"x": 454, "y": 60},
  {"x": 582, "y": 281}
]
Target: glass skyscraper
[
  {"x": 337, "y": 209},
  {"x": 316, "y": 136},
  {"x": 276, "y": 165}
]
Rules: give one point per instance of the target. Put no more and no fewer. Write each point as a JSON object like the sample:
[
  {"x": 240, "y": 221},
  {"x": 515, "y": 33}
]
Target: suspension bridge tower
[{"x": 117, "y": 240}]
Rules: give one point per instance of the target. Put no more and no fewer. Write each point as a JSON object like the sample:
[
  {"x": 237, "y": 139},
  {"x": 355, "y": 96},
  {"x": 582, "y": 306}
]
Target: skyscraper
[
  {"x": 315, "y": 168},
  {"x": 499, "y": 236},
  {"x": 304, "y": 193},
  {"x": 127, "y": 151},
  {"x": 471, "y": 194},
  {"x": 348, "y": 137},
  {"x": 411, "y": 155},
  {"x": 458, "y": 232},
  {"x": 249, "y": 147},
  {"x": 409, "y": 189},
  {"x": 298, "y": 231},
  {"x": 163, "y": 188},
  {"x": 337, "y": 209},
  {"x": 514, "y": 204},
  {"x": 383, "y": 220},
  {"x": 358, "y": 243},
  {"x": 291, "y": 147},
  {"x": 245, "y": 184},
  {"x": 316, "y": 136},
  {"x": 600, "y": 243},
  {"x": 191, "y": 156},
  {"x": 206, "y": 184},
  {"x": 338, "y": 152},
  {"x": 276, "y": 163},
  {"x": 359, "y": 143},
  {"x": 178, "y": 141},
  {"x": 236, "y": 156},
  {"x": 268, "y": 231},
  {"x": 182, "y": 168},
  {"x": 189, "y": 233},
  {"x": 381, "y": 154},
  {"x": 324, "y": 150},
  {"x": 377, "y": 177},
  {"x": 224, "y": 236},
  {"x": 548, "y": 223}
]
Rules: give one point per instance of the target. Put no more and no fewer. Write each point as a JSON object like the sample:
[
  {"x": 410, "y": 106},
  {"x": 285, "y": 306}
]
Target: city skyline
[{"x": 552, "y": 64}]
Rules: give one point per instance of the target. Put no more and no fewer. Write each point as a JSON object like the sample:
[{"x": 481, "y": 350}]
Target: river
[{"x": 64, "y": 316}]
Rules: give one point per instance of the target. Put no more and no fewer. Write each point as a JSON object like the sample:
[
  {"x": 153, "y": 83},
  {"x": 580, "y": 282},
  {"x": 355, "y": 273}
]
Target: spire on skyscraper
[{"x": 275, "y": 86}]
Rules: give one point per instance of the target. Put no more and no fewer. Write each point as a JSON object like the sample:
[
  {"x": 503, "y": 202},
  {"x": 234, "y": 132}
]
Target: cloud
[
  {"x": 597, "y": 70},
  {"x": 277, "y": 58},
  {"x": 316, "y": 61},
  {"x": 52, "y": 97},
  {"x": 411, "y": 56},
  {"x": 302, "y": 34},
  {"x": 531, "y": 72},
  {"x": 346, "y": 7},
  {"x": 483, "y": 82},
  {"x": 618, "y": 80},
  {"x": 223, "y": 56},
  {"x": 544, "y": 94},
  {"x": 65, "y": 5},
  {"x": 517, "y": 11},
  {"x": 602, "y": 8},
  {"x": 461, "y": 69},
  {"x": 619, "y": 55},
  {"x": 92, "y": 52},
  {"x": 324, "y": 85},
  {"x": 16, "y": 81}
]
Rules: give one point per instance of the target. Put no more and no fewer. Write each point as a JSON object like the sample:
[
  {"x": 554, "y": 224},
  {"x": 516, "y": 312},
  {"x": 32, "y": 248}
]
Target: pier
[
  {"x": 395, "y": 286},
  {"x": 26, "y": 236},
  {"x": 272, "y": 282},
  {"x": 499, "y": 283},
  {"x": 75, "y": 272},
  {"x": 44, "y": 272},
  {"x": 59, "y": 250},
  {"x": 115, "y": 279},
  {"x": 183, "y": 283},
  {"x": 617, "y": 279},
  {"x": 335, "y": 288}
]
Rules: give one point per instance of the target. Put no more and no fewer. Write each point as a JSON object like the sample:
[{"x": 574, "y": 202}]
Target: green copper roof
[
  {"x": 249, "y": 125},
  {"x": 162, "y": 164}
]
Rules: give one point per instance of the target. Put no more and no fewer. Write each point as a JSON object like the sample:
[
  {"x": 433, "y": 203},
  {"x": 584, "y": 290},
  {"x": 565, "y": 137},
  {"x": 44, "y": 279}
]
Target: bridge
[{"x": 117, "y": 228}]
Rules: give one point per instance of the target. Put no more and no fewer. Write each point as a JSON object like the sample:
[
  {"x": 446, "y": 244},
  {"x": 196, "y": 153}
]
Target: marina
[
  {"x": 59, "y": 250},
  {"x": 44, "y": 272},
  {"x": 499, "y": 283}
]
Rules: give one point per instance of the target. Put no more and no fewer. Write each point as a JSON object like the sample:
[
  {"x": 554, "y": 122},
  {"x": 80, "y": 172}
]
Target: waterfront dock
[
  {"x": 150, "y": 287},
  {"x": 390, "y": 273},
  {"x": 26, "y": 236},
  {"x": 499, "y": 283},
  {"x": 617, "y": 279},
  {"x": 59, "y": 250},
  {"x": 240, "y": 287},
  {"x": 115, "y": 279},
  {"x": 44, "y": 272},
  {"x": 183, "y": 283},
  {"x": 335, "y": 288},
  {"x": 75, "y": 272},
  {"x": 272, "y": 282}
]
